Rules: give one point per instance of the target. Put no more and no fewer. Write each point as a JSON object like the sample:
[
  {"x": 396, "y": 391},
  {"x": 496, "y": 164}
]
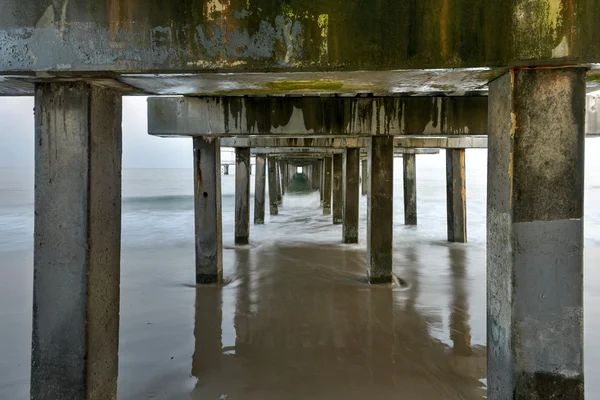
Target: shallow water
[{"x": 296, "y": 320}]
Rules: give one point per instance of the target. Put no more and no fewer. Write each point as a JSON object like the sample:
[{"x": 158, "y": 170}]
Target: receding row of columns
[{"x": 534, "y": 232}]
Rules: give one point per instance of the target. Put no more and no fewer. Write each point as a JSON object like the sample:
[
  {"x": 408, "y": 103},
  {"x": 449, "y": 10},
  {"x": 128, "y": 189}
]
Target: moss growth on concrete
[
  {"x": 288, "y": 86},
  {"x": 489, "y": 76},
  {"x": 444, "y": 88}
]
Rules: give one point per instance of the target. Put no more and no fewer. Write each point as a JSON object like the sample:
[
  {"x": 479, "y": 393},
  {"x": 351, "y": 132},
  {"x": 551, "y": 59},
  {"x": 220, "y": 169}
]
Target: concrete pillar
[
  {"x": 77, "y": 243},
  {"x": 207, "y": 210},
  {"x": 273, "y": 207},
  {"x": 282, "y": 183},
  {"x": 226, "y": 169},
  {"x": 278, "y": 182},
  {"x": 338, "y": 189},
  {"x": 380, "y": 209},
  {"x": 351, "y": 197},
  {"x": 259, "y": 190},
  {"x": 242, "y": 195},
  {"x": 322, "y": 180},
  {"x": 410, "y": 189},
  {"x": 327, "y": 179},
  {"x": 535, "y": 234},
  {"x": 317, "y": 173},
  {"x": 456, "y": 195},
  {"x": 364, "y": 179}
]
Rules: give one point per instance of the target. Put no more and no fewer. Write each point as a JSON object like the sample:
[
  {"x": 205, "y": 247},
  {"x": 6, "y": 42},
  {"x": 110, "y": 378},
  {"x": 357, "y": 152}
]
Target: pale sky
[{"x": 141, "y": 150}]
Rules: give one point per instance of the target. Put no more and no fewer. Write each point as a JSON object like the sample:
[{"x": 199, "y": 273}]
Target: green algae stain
[
  {"x": 443, "y": 87},
  {"x": 323, "y": 85}
]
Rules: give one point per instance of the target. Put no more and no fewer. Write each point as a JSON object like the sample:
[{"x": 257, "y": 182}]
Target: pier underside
[{"x": 318, "y": 85}]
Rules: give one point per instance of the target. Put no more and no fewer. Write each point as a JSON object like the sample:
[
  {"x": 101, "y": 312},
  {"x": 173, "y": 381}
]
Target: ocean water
[{"x": 296, "y": 320}]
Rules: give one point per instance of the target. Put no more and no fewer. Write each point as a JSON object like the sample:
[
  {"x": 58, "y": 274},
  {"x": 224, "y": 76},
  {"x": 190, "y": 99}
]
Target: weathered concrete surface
[
  {"x": 297, "y": 150},
  {"x": 338, "y": 189},
  {"x": 77, "y": 246},
  {"x": 351, "y": 183},
  {"x": 363, "y": 178},
  {"x": 456, "y": 195},
  {"x": 409, "y": 173},
  {"x": 272, "y": 170},
  {"x": 259, "y": 144},
  {"x": 207, "y": 210},
  {"x": 259, "y": 190},
  {"x": 242, "y": 195},
  {"x": 314, "y": 115},
  {"x": 535, "y": 235},
  {"x": 327, "y": 181},
  {"x": 380, "y": 209},
  {"x": 293, "y": 36},
  {"x": 321, "y": 183}
]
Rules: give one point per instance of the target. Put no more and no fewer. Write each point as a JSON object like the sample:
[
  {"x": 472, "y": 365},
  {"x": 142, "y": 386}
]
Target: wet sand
[{"x": 296, "y": 319}]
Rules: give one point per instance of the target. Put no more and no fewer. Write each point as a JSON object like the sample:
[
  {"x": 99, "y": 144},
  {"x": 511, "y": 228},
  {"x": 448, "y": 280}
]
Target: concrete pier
[
  {"x": 322, "y": 182},
  {"x": 273, "y": 207},
  {"x": 535, "y": 234},
  {"x": 76, "y": 263},
  {"x": 242, "y": 195},
  {"x": 410, "y": 188},
  {"x": 380, "y": 209},
  {"x": 363, "y": 178},
  {"x": 207, "y": 210},
  {"x": 456, "y": 195},
  {"x": 351, "y": 179},
  {"x": 278, "y": 190},
  {"x": 327, "y": 181},
  {"x": 259, "y": 190},
  {"x": 338, "y": 189}
]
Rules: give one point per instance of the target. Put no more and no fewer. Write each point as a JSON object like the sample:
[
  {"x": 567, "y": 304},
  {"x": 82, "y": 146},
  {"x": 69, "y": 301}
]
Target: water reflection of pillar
[
  {"x": 383, "y": 331},
  {"x": 460, "y": 331},
  {"x": 242, "y": 306},
  {"x": 207, "y": 333}
]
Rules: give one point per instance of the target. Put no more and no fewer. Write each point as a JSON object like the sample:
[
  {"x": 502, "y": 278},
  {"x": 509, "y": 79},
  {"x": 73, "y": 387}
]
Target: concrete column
[
  {"x": 351, "y": 197},
  {"x": 242, "y": 195},
  {"x": 338, "y": 188},
  {"x": 380, "y": 209},
  {"x": 364, "y": 179},
  {"x": 317, "y": 179},
  {"x": 207, "y": 210},
  {"x": 282, "y": 183},
  {"x": 259, "y": 190},
  {"x": 410, "y": 189},
  {"x": 327, "y": 180},
  {"x": 322, "y": 180},
  {"x": 456, "y": 195},
  {"x": 225, "y": 169},
  {"x": 535, "y": 234},
  {"x": 278, "y": 182},
  {"x": 77, "y": 243},
  {"x": 273, "y": 207}
]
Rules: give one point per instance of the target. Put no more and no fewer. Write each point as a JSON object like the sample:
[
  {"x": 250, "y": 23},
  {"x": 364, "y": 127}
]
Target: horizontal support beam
[
  {"x": 452, "y": 142},
  {"x": 297, "y": 150},
  {"x": 316, "y": 116}
]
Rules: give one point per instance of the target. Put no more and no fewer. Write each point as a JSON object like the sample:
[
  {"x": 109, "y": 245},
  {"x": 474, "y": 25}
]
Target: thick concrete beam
[
  {"x": 259, "y": 190},
  {"x": 327, "y": 181},
  {"x": 310, "y": 116},
  {"x": 409, "y": 172},
  {"x": 77, "y": 244},
  {"x": 408, "y": 142},
  {"x": 262, "y": 35},
  {"x": 364, "y": 179},
  {"x": 535, "y": 235},
  {"x": 351, "y": 183},
  {"x": 456, "y": 195},
  {"x": 273, "y": 205},
  {"x": 242, "y": 195},
  {"x": 338, "y": 189},
  {"x": 380, "y": 209},
  {"x": 207, "y": 210}
]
